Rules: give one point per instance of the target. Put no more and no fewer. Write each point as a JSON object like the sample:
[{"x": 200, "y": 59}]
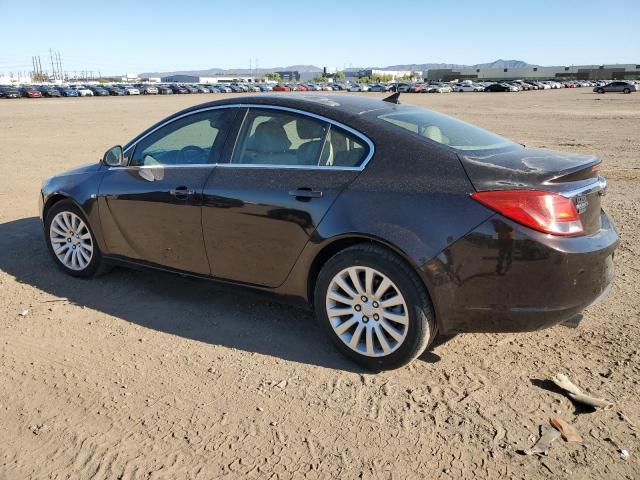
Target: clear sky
[{"x": 118, "y": 37}]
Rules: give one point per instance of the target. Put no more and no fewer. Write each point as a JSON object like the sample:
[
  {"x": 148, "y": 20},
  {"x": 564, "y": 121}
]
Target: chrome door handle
[
  {"x": 181, "y": 192},
  {"x": 305, "y": 193}
]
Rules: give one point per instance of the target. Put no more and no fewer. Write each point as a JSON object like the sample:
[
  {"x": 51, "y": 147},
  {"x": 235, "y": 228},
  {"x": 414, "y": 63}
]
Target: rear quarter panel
[{"x": 412, "y": 196}]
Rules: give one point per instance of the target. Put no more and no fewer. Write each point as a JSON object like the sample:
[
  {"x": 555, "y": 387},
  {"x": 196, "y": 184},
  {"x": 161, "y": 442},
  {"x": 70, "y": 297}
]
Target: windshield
[{"x": 446, "y": 130}]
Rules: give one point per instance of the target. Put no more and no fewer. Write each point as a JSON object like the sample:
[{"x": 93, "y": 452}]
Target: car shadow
[{"x": 190, "y": 308}]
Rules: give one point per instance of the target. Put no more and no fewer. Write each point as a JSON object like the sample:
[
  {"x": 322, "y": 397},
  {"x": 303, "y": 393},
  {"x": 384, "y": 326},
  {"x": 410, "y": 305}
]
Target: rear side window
[
  {"x": 446, "y": 130},
  {"x": 342, "y": 149},
  {"x": 271, "y": 137},
  {"x": 279, "y": 138}
]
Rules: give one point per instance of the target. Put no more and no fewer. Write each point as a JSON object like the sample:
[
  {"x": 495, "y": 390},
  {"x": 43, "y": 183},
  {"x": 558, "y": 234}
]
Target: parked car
[
  {"x": 164, "y": 90},
  {"x": 438, "y": 88},
  {"x": 82, "y": 91},
  {"x": 129, "y": 90},
  {"x": 380, "y": 87},
  {"x": 359, "y": 87},
  {"x": 49, "y": 91},
  {"x": 419, "y": 88},
  {"x": 467, "y": 87},
  {"x": 30, "y": 92},
  {"x": 500, "y": 87},
  {"x": 281, "y": 88},
  {"x": 68, "y": 92},
  {"x": 10, "y": 92},
  {"x": 114, "y": 90},
  {"x": 99, "y": 91},
  {"x": 542, "y": 86},
  {"x": 147, "y": 89},
  {"x": 402, "y": 87},
  {"x": 617, "y": 86},
  {"x": 497, "y": 235},
  {"x": 178, "y": 88}
]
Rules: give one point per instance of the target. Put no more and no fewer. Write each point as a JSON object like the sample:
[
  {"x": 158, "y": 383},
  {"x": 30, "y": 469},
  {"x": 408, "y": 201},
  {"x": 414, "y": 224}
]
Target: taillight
[{"x": 543, "y": 211}]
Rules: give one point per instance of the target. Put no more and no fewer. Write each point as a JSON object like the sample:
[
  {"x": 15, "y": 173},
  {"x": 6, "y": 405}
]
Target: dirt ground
[{"x": 147, "y": 375}]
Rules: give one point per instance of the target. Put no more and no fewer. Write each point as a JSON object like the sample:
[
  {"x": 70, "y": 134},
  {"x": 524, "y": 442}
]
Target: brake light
[{"x": 543, "y": 211}]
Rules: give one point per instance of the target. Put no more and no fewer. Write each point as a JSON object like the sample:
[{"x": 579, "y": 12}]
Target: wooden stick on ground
[{"x": 578, "y": 395}]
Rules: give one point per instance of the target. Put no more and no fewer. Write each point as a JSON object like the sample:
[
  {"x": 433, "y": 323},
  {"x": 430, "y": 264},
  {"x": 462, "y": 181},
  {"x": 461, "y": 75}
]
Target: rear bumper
[{"x": 503, "y": 277}]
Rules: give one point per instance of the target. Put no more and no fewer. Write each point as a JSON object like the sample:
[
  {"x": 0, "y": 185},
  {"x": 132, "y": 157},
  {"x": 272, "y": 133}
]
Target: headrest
[
  {"x": 308, "y": 129},
  {"x": 270, "y": 137}
]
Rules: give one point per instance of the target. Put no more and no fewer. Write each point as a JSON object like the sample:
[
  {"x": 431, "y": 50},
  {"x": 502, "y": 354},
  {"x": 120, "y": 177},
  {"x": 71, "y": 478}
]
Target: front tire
[
  {"x": 374, "y": 307},
  {"x": 627, "y": 90},
  {"x": 71, "y": 241}
]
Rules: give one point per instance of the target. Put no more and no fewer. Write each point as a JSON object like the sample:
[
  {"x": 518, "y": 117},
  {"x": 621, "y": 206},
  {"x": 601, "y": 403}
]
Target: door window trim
[
  {"x": 133, "y": 146},
  {"x": 248, "y": 106}
]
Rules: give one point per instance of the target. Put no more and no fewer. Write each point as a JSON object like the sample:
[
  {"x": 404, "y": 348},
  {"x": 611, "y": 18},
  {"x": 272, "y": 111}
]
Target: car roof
[
  {"x": 360, "y": 113},
  {"x": 334, "y": 106}
]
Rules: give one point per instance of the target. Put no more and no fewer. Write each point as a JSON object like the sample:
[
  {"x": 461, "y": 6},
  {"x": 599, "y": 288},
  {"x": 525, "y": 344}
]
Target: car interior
[{"x": 284, "y": 139}]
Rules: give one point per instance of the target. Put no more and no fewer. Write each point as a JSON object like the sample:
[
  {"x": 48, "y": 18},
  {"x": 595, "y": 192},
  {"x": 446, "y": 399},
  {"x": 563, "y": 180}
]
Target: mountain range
[{"x": 312, "y": 68}]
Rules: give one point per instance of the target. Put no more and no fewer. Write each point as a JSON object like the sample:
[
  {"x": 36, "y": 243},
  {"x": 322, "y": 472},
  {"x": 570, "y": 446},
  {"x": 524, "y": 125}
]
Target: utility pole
[
  {"x": 53, "y": 69},
  {"x": 59, "y": 61}
]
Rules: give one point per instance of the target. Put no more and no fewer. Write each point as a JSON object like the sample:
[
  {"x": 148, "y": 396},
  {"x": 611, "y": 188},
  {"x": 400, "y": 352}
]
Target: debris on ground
[
  {"x": 568, "y": 432},
  {"x": 24, "y": 313},
  {"x": 574, "y": 392},
  {"x": 548, "y": 435},
  {"x": 628, "y": 421},
  {"x": 623, "y": 452}
]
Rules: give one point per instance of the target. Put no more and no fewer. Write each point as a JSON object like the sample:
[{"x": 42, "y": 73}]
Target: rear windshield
[{"x": 446, "y": 130}]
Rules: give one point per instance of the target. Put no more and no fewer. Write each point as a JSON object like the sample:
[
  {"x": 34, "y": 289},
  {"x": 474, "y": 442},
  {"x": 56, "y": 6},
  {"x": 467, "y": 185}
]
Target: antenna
[{"x": 394, "y": 98}]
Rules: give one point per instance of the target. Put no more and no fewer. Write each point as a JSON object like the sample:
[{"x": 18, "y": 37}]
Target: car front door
[
  {"x": 285, "y": 171},
  {"x": 150, "y": 210}
]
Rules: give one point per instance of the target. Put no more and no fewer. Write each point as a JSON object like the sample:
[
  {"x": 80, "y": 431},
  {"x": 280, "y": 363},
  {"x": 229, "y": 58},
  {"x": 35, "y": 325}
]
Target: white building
[{"x": 575, "y": 72}]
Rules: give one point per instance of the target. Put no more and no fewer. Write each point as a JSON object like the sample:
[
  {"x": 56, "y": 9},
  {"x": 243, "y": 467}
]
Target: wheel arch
[
  {"x": 338, "y": 244},
  {"x": 56, "y": 198}
]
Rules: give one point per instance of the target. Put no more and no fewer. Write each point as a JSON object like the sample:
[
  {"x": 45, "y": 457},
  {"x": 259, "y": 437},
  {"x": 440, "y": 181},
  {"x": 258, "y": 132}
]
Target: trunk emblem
[{"x": 581, "y": 203}]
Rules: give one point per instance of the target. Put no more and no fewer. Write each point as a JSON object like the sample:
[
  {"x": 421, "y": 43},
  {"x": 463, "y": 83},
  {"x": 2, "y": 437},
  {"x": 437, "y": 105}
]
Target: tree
[
  {"x": 382, "y": 78},
  {"x": 339, "y": 75},
  {"x": 364, "y": 80},
  {"x": 275, "y": 76}
]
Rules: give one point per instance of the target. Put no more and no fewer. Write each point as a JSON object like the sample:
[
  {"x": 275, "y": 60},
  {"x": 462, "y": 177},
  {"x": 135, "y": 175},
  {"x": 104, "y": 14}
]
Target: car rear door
[
  {"x": 285, "y": 170},
  {"x": 150, "y": 210}
]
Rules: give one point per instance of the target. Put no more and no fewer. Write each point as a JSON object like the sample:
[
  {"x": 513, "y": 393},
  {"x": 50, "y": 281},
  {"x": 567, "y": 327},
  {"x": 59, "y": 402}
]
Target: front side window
[
  {"x": 192, "y": 140},
  {"x": 445, "y": 130}
]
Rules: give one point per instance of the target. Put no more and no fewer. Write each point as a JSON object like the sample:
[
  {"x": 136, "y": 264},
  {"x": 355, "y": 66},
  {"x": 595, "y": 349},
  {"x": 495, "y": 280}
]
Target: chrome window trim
[
  {"x": 354, "y": 132},
  {"x": 185, "y": 165}
]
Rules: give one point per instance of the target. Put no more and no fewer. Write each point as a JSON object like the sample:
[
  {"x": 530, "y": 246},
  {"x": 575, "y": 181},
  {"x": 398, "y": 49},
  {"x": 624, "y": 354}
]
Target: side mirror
[{"x": 114, "y": 157}]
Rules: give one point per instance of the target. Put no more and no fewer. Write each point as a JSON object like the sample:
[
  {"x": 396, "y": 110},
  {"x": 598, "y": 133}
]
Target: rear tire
[
  {"x": 600, "y": 90},
  {"x": 383, "y": 318},
  {"x": 627, "y": 90},
  {"x": 71, "y": 241}
]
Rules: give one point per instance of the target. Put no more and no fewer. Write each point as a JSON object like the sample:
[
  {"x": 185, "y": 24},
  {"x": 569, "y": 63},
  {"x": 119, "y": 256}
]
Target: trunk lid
[{"x": 572, "y": 175}]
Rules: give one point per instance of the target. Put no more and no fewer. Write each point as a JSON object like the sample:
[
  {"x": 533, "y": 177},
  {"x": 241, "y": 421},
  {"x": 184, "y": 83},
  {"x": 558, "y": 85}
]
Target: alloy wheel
[
  {"x": 71, "y": 240},
  {"x": 367, "y": 311}
]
